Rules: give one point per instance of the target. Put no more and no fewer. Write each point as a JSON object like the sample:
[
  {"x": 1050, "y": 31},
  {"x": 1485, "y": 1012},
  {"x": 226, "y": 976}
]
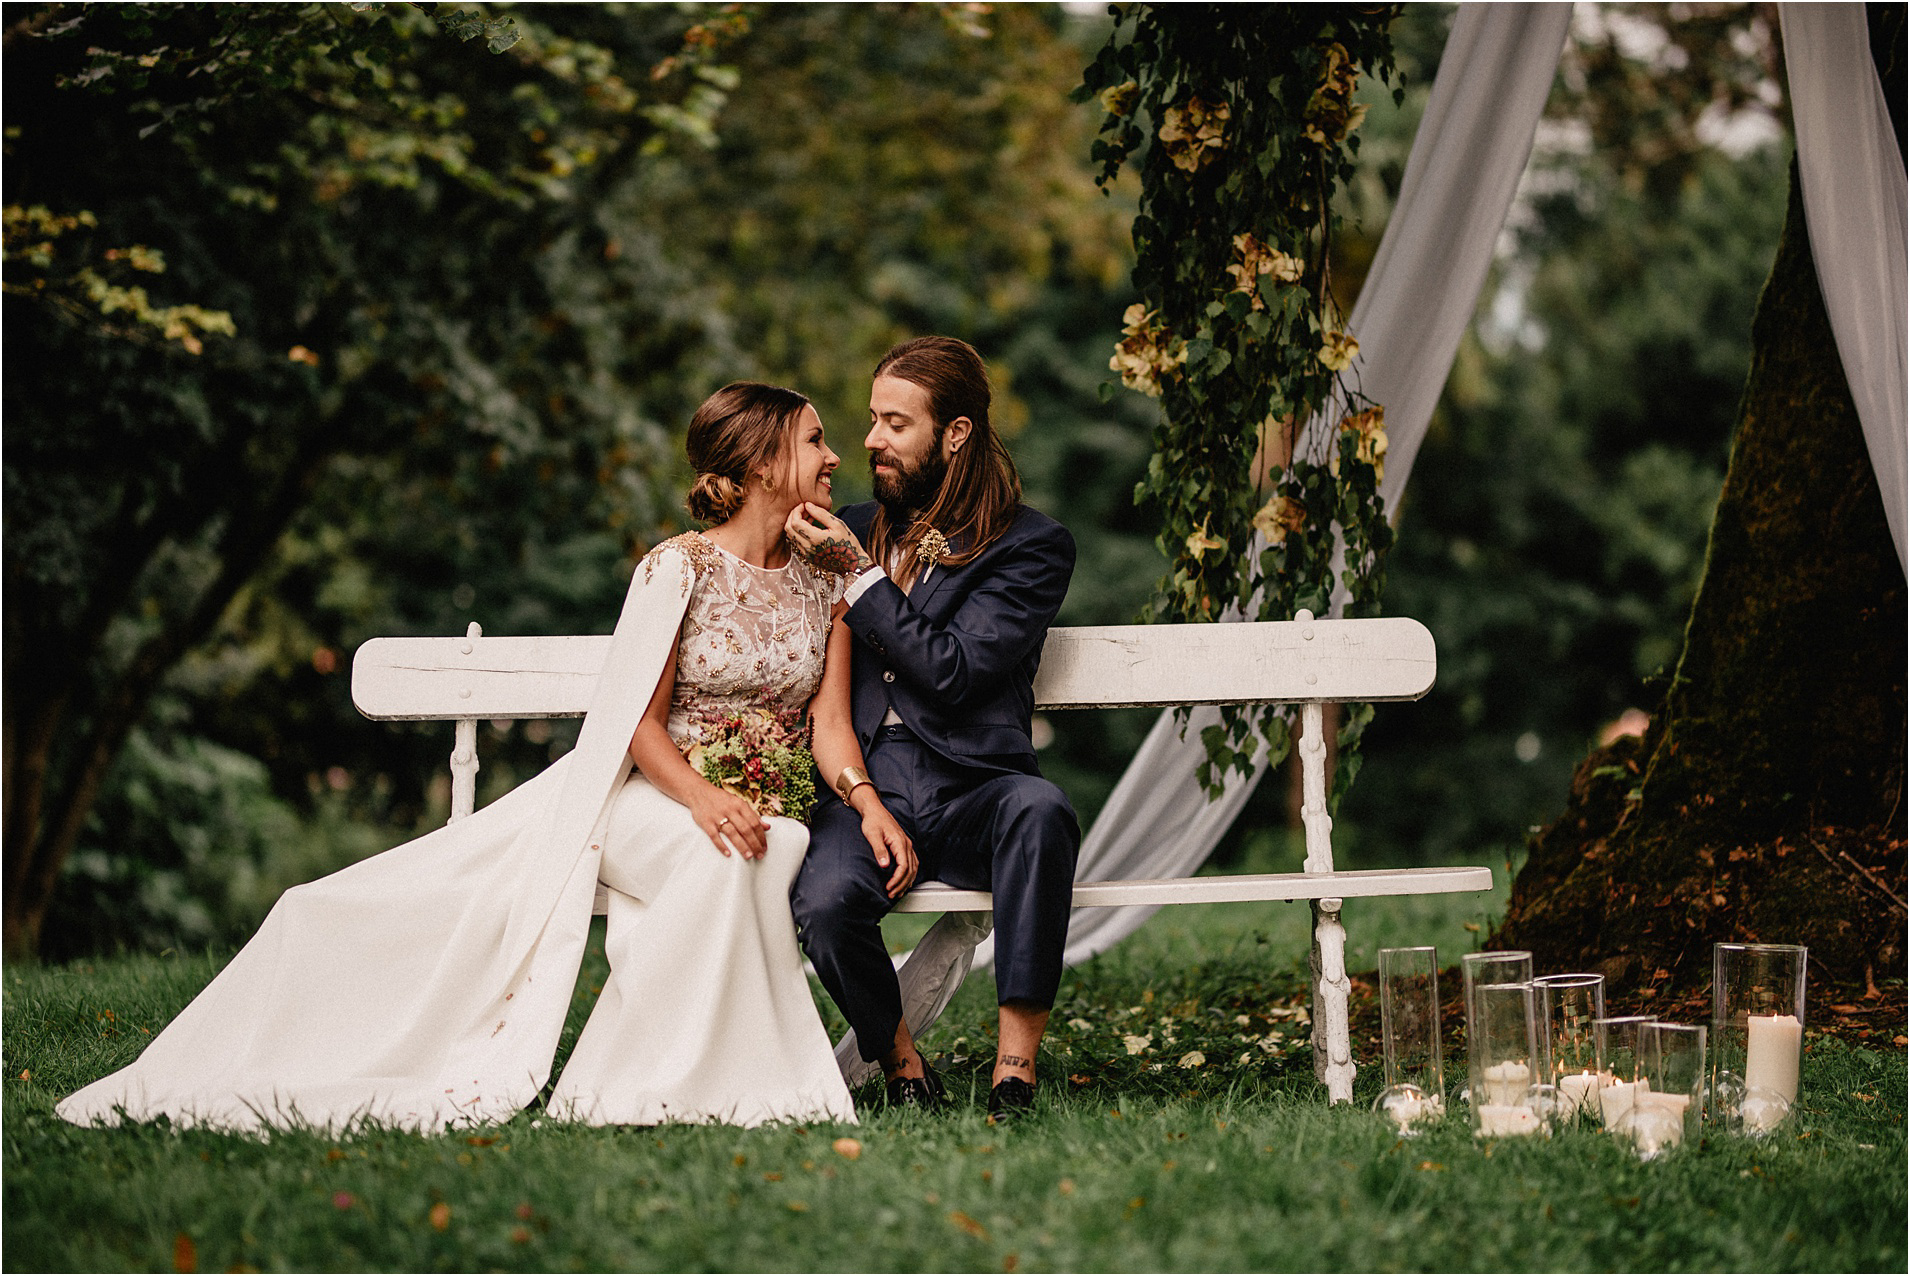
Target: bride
[{"x": 427, "y": 986}]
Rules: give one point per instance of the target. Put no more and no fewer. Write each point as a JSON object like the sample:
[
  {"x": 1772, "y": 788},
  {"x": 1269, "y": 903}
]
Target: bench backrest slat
[{"x": 1267, "y": 662}]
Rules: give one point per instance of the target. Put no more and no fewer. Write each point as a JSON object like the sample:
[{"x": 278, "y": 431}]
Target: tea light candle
[
  {"x": 1501, "y": 1119},
  {"x": 1404, "y": 1109},
  {"x": 1506, "y": 1084},
  {"x": 1771, "y": 1054}
]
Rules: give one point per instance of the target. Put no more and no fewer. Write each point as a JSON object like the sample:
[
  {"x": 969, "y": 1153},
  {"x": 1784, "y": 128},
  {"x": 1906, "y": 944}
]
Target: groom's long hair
[{"x": 981, "y": 490}]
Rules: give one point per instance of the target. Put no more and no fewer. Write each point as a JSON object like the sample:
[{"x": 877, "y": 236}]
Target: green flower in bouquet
[{"x": 760, "y": 758}]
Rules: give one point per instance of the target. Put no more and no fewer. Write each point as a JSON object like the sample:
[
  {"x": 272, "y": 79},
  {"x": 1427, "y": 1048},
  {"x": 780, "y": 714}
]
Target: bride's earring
[{"x": 769, "y": 484}]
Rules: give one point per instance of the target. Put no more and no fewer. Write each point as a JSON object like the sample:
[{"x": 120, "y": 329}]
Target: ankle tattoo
[{"x": 1016, "y": 1061}]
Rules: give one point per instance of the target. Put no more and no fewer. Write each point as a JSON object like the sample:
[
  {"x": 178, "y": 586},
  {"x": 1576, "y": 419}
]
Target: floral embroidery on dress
[{"x": 750, "y": 651}]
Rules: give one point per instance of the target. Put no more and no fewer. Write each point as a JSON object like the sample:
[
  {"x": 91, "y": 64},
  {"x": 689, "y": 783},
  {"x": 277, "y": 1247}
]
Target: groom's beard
[{"x": 909, "y": 489}]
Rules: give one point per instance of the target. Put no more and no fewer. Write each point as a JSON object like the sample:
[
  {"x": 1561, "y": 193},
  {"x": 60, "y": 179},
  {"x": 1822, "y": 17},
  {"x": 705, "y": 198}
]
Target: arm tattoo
[{"x": 843, "y": 557}]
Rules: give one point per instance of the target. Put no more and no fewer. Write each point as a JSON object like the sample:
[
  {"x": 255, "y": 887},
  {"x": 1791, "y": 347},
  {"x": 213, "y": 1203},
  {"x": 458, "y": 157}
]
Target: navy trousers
[{"x": 978, "y": 830}]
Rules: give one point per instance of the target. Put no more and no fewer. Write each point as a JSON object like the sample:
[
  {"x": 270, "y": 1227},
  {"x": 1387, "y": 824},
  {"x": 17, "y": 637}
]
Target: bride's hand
[
  {"x": 892, "y": 847},
  {"x": 825, "y": 541},
  {"x": 730, "y": 822}
]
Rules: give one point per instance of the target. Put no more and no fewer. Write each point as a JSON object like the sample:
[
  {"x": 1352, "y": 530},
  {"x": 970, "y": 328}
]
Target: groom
[{"x": 955, "y": 585}]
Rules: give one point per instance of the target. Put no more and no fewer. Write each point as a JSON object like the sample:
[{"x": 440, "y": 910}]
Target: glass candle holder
[
  {"x": 1620, "y": 1064},
  {"x": 1568, "y": 1007},
  {"x": 1668, "y": 1108},
  {"x": 1409, "y": 1027},
  {"x": 1504, "y": 1064},
  {"x": 1514, "y": 966},
  {"x": 1757, "y": 1028}
]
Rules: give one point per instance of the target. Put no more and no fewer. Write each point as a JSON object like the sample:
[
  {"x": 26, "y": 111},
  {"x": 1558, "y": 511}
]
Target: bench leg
[
  {"x": 1332, "y": 1038},
  {"x": 1332, "y": 1035}
]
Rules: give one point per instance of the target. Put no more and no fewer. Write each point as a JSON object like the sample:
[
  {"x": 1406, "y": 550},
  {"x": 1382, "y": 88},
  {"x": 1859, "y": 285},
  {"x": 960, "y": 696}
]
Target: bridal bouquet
[{"x": 761, "y": 758}]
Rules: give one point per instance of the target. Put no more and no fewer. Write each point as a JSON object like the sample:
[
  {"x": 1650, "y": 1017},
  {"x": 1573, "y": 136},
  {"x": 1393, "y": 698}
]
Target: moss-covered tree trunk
[{"x": 1765, "y": 802}]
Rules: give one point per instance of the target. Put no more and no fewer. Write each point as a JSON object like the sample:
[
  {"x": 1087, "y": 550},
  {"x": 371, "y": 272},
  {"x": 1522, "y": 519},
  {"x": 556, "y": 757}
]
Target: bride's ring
[{"x": 725, "y": 820}]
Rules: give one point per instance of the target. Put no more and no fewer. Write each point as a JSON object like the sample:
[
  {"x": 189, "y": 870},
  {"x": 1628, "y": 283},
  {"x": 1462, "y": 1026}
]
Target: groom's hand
[
  {"x": 892, "y": 847},
  {"x": 825, "y": 541}
]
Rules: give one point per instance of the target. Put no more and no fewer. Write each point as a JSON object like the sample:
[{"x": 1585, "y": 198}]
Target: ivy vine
[{"x": 1250, "y": 126}]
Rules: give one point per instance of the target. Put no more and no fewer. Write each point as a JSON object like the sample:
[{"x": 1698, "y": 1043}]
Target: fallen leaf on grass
[
  {"x": 477, "y": 1141},
  {"x": 440, "y": 1216},
  {"x": 847, "y": 1149},
  {"x": 520, "y": 1236},
  {"x": 798, "y": 1207},
  {"x": 1429, "y": 1165},
  {"x": 1067, "y": 1187},
  {"x": 524, "y": 1210},
  {"x": 343, "y": 1200},
  {"x": 185, "y": 1255},
  {"x": 968, "y": 1224}
]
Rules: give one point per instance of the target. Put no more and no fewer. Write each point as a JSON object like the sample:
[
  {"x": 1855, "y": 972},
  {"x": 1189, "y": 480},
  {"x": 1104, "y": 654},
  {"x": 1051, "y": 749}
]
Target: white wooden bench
[{"x": 1305, "y": 661}]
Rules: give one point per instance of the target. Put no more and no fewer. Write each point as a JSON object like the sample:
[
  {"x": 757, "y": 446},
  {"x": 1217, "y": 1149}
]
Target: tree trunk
[{"x": 1765, "y": 801}]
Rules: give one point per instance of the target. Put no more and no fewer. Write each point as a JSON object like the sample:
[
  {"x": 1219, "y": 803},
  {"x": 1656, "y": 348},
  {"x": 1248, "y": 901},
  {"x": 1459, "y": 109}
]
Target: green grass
[{"x": 1131, "y": 1161}]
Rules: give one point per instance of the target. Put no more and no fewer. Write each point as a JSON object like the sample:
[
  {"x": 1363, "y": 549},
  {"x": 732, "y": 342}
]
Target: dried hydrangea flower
[{"x": 1194, "y": 131}]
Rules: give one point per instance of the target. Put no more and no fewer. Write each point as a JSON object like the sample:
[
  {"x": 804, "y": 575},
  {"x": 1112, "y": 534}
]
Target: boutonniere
[{"x": 930, "y": 549}]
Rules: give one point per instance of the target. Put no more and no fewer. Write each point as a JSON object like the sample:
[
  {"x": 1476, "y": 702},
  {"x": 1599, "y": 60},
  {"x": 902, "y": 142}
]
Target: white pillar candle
[
  {"x": 1657, "y": 1122},
  {"x": 1497, "y": 1120},
  {"x": 1506, "y": 1084},
  {"x": 1672, "y": 1103},
  {"x": 1771, "y": 1054},
  {"x": 1615, "y": 1100},
  {"x": 1579, "y": 1091}
]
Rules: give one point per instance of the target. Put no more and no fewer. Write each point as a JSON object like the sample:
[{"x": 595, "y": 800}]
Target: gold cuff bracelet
[{"x": 849, "y": 780}]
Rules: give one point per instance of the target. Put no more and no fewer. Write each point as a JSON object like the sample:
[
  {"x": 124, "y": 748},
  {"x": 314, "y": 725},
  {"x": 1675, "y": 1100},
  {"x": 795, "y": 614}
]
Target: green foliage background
[{"x": 517, "y": 273}]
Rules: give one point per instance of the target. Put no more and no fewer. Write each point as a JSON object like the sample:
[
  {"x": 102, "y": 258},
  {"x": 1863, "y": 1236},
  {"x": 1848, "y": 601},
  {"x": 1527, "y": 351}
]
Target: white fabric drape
[
  {"x": 1854, "y": 193},
  {"x": 1466, "y": 161}
]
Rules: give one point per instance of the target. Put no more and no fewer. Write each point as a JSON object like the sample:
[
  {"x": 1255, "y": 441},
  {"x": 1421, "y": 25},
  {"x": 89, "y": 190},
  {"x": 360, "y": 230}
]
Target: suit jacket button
[{"x": 888, "y": 675}]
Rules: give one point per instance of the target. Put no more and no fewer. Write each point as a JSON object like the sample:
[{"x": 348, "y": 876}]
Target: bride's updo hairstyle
[{"x": 739, "y": 430}]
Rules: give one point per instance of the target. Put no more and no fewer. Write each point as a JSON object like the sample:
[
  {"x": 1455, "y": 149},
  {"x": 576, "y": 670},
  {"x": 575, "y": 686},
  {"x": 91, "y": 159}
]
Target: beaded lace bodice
[{"x": 753, "y": 638}]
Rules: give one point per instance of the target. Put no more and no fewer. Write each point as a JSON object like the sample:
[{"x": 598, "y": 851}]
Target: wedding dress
[{"x": 427, "y": 987}]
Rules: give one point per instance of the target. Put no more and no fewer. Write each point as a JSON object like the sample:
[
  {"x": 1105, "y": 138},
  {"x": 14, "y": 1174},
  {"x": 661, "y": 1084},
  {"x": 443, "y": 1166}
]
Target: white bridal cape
[{"x": 428, "y": 986}]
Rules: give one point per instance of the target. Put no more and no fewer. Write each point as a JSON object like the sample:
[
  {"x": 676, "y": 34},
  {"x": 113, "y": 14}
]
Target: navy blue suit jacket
[{"x": 957, "y": 656}]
